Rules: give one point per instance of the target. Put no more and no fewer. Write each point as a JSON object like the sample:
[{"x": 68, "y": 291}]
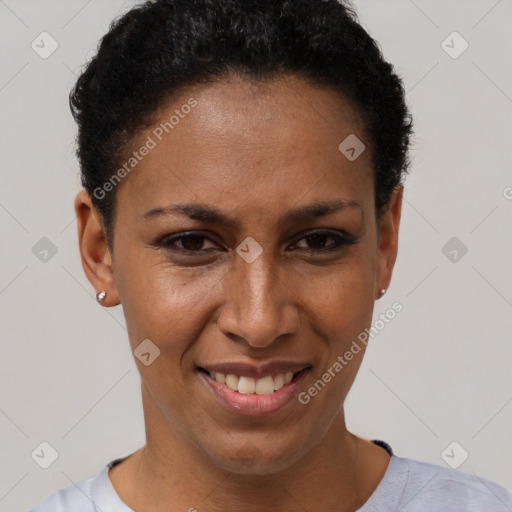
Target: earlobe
[
  {"x": 388, "y": 241},
  {"x": 93, "y": 247}
]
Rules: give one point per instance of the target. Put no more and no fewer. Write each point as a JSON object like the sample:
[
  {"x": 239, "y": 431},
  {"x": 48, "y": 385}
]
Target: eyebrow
[{"x": 211, "y": 214}]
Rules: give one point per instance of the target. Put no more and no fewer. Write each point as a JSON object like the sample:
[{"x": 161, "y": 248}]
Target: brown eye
[
  {"x": 191, "y": 244},
  {"x": 318, "y": 241}
]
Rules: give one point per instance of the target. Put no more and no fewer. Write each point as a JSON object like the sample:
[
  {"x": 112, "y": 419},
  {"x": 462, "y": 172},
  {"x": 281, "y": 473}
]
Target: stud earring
[
  {"x": 382, "y": 292},
  {"x": 100, "y": 296}
]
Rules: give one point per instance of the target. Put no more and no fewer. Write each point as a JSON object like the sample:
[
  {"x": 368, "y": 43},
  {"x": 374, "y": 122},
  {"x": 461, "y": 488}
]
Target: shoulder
[
  {"x": 74, "y": 498},
  {"x": 434, "y": 487}
]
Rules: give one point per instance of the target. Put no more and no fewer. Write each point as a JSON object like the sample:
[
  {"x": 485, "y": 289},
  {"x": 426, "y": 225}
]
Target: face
[{"x": 270, "y": 275}]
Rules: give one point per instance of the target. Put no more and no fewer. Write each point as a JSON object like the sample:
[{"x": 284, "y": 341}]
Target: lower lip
[{"x": 256, "y": 405}]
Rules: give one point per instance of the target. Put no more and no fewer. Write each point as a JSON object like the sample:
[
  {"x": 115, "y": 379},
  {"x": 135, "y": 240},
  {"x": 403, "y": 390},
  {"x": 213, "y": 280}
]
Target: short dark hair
[{"x": 160, "y": 46}]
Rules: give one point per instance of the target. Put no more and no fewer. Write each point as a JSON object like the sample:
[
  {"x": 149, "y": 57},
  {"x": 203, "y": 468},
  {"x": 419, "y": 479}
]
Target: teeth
[
  {"x": 232, "y": 382},
  {"x": 265, "y": 386},
  {"x": 248, "y": 386},
  {"x": 278, "y": 381}
]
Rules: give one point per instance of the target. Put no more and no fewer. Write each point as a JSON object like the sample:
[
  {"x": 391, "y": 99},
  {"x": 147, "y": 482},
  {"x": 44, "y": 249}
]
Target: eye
[
  {"x": 191, "y": 244},
  {"x": 318, "y": 241}
]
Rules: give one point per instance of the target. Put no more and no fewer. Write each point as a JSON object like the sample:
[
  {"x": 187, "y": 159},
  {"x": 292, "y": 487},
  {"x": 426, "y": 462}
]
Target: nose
[{"x": 259, "y": 306}]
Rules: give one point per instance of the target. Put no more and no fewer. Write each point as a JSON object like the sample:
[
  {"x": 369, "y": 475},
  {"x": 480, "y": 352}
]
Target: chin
[{"x": 255, "y": 457}]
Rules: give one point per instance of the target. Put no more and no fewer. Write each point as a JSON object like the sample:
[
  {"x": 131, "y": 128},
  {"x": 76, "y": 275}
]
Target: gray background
[{"x": 439, "y": 372}]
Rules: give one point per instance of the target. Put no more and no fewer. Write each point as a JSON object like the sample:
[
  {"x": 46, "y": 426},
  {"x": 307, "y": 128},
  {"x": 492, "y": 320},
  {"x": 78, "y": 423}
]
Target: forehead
[{"x": 255, "y": 146}]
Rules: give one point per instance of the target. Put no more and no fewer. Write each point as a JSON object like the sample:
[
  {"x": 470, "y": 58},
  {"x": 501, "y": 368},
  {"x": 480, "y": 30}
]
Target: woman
[{"x": 273, "y": 135}]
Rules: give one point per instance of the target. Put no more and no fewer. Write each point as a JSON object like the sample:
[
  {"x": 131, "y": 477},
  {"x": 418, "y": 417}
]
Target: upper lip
[{"x": 256, "y": 371}]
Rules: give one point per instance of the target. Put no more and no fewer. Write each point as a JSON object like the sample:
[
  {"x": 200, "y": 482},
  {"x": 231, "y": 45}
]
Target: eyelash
[{"x": 341, "y": 240}]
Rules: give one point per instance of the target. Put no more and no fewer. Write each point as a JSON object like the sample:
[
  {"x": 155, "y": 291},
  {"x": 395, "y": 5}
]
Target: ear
[
  {"x": 388, "y": 240},
  {"x": 94, "y": 252}
]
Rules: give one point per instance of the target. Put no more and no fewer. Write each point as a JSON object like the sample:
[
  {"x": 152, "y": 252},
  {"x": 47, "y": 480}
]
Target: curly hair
[{"x": 161, "y": 46}]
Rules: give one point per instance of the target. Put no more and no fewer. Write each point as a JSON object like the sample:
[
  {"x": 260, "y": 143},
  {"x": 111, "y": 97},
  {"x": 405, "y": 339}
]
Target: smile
[
  {"x": 254, "y": 396},
  {"x": 248, "y": 385}
]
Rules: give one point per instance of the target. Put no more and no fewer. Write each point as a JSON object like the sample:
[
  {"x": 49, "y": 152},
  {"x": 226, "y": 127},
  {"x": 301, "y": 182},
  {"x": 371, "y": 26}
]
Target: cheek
[
  {"x": 167, "y": 305},
  {"x": 162, "y": 302},
  {"x": 340, "y": 300},
  {"x": 341, "y": 306}
]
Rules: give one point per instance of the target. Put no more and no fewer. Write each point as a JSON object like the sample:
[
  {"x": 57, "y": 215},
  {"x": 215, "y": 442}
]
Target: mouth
[{"x": 254, "y": 392}]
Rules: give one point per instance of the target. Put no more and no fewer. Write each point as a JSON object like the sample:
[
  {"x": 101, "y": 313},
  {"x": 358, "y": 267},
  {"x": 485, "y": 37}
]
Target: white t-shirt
[{"x": 407, "y": 486}]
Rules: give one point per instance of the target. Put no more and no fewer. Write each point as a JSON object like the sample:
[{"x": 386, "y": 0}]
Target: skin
[{"x": 255, "y": 152}]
